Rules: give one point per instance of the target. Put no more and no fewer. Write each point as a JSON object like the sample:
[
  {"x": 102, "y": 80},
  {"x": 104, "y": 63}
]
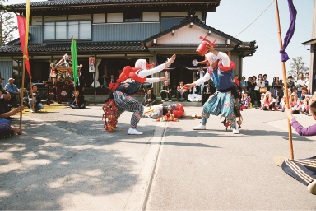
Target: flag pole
[
  {"x": 22, "y": 88},
  {"x": 285, "y": 81}
]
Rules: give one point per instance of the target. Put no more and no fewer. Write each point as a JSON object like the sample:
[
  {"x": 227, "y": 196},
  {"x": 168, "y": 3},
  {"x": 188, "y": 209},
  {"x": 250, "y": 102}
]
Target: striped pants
[
  {"x": 304, "y": 170},
  {"x": 220, "y": 103},
  {"x": 125, "y": 102}
]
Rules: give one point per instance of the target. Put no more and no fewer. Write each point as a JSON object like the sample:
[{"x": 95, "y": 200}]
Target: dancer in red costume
[
  {"x": 222, "y": 102},
  {"x": 129, "y": 82}
]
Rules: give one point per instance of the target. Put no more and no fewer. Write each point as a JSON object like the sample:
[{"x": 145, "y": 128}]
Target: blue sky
[{"x": 233, "y": 16}]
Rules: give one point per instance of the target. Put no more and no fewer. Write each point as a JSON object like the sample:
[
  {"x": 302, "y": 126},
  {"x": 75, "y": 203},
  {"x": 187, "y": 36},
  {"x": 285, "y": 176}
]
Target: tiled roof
[
  {"x": 115, "y": 2},
  {"x": 83, "y": 47}
]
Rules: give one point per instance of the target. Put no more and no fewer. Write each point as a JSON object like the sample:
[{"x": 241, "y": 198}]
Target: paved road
[
  {"x": 215, "y": 169},
  {"x": 65, "y": 160}
]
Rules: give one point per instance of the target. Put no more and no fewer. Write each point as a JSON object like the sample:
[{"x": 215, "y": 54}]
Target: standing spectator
[
  {"x": 237, "y": 83},
  {"x": 266, "y": 82},
  {"x": 277, "y": 86},
  {"x": 200, "y": 74},
  {"x": 300, "y": 84},
  {"x": 262, "y": 86},
  {"x": 307, "y": 82},
  {"x": 256, "y": 93},
  {"x": 165, "y": 92},
  {"x": 14, "y": 92},
  {"x": 251, "y": 86},
  {"x": 206, "y": 93},
  {"x": 290, "y": 83},
  {"x": 243, "y": 84}
]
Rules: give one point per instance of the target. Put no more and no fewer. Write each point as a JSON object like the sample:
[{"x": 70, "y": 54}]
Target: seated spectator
[
  {"x": 268, "y": 102},
  {"x": 305, "y": 106},
  {"x": 304, "y": 93},
  {"x": 14, "y": 92},
  {"x": 77, "y": 101},
  {"x": 37, "y": 102},
  {"x": 1, "y": 79},
  {"x": 4, "y": 98},
  {"x": 5, "y": 125},
  {"x": 150, "y": 98},
  {"x": 295, "y": 103},
  {"x": 245, "y": 100},
  {"x": 283, "y": 103},
  {"x": 182, "y": 92},
  {"x": 165, "y": 92},
  {"x": 206, "y": 93}
]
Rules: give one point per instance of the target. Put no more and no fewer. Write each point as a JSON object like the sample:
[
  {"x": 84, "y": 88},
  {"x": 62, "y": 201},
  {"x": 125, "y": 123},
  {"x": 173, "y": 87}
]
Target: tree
[
  {"x": 297, "y": 67},
  {"x": 7, "y": 26}
]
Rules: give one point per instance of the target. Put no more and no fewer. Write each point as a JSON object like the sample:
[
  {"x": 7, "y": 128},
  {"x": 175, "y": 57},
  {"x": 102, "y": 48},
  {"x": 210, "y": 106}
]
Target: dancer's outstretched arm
[
  {"x": 159, "y": 68},
  {"x": 157, "y": 79},
  {"x": 203, "y": 79}
]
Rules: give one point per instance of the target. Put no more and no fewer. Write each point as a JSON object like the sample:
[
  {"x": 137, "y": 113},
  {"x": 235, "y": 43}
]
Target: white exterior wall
[
  {"x": 36, "y": 21},
  {"x": 55, "y": 18},
  {"x": 79, "y": 17},
  {"x": 188, "y": 35},
  {"x": 151, "y": 16},
  {"x": 115, "y": 17},
  {"x": 174, "y": 14},
  {"x": 99, "y": 18}
]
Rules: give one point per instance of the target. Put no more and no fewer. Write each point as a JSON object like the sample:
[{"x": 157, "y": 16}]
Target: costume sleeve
[
  {"x": 225, "y": 59},
  {"x": 145, "y": 73},
  {"x": 203, "y": 79},
  {"x": 152, "y": 80},
  {"x": 310, "y": 131}
]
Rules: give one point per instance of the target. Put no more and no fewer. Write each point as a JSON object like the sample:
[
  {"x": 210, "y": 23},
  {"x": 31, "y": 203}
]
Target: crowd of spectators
[{"x": 257, "y": 92}]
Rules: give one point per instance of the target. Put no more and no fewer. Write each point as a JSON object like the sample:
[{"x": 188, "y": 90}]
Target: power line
[{"x": 255, "y": 19}]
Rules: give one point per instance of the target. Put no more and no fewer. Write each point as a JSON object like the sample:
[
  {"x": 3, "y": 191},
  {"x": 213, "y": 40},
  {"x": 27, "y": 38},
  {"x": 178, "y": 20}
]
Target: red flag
[{"x": 22, "y": 31}]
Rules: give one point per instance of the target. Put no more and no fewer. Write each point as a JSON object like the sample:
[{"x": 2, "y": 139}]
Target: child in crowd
[
  {"x": 282, "y": 103},
  {"x": 295, "y": 103},
  {"x": 245, "y": 100},
  {"x": 268, "y": 102},
  {"x": 305, "y": 105}
]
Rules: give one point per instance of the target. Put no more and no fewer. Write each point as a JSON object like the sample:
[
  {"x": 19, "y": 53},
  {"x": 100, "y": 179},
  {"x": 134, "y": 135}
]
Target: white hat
[
  {"x": 11, "y": 79},
  {"x": 141, "y": 63}
]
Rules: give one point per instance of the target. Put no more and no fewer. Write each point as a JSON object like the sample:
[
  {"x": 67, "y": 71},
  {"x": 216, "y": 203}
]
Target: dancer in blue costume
[{"x": 221, "y": 71}]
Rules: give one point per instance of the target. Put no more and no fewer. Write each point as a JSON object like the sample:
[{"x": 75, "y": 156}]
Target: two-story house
[{"x": 118, "y": 32}]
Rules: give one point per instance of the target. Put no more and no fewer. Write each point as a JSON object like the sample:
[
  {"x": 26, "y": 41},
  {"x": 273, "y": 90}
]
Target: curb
[{"x": 140, "y": 193}]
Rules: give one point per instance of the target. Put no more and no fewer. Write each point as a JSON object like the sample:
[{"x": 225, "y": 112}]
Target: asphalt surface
[{"x": 65, "y": 160}]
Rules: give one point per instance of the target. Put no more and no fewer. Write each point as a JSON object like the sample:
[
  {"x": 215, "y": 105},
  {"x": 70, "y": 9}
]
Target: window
[
  {"x": 132, "y": 17},
  {"x": 168, "y": 22},
  {"x": 60, "y": 30}
]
